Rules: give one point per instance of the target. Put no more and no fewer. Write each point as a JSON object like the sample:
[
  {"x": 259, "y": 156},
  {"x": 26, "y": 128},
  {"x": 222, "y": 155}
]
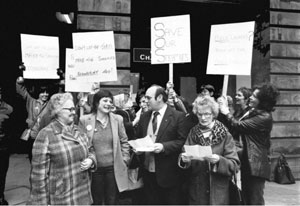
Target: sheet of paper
[
  {"x": 145, "y": 144},
  {"x": 197, "y": 151}
]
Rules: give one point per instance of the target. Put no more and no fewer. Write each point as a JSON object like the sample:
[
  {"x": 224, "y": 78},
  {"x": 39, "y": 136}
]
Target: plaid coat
[{"x": 56, "y": 178}]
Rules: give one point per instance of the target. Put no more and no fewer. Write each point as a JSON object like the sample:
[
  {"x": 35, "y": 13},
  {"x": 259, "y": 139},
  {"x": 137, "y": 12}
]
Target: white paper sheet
[
  {"x": 197, "y": 151},
  {"x": 145, "y": 144}
]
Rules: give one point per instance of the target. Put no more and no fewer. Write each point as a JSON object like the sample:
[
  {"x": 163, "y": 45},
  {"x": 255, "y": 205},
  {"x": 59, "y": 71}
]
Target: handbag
[
  {"x": 135, "y": 181},
  {"x": 235, "y": 193},
  {"x": 283, "y": 173},
  {"x": 26, "y": 134}
]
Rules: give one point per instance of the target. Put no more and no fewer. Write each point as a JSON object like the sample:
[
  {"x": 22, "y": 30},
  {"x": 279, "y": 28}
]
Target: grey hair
[
  {"x": 57, "y": 101},
  {"x": 206, "y": 101}
]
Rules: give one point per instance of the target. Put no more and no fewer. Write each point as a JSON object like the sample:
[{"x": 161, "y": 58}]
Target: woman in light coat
[
  {"x": 62, "y": 159},
  {"x": 208, "y": 182},
  {"x": 108, "y": 136}
]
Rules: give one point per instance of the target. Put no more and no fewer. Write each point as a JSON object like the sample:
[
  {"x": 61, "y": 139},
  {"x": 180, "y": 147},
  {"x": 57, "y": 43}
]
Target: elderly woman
[
  {"x": 210, "y": 175},
  {"x": 254, "y": 128},
  {"x": 61, "y": 159},
  {"x": 108, "y": 136}
]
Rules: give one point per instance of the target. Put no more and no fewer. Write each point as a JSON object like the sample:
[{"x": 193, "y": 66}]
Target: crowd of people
[{"x": 80, "y": 155}]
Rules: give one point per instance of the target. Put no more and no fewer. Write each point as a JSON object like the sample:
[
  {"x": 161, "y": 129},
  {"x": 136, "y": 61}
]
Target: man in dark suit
[{"x": 166, "y": 127}]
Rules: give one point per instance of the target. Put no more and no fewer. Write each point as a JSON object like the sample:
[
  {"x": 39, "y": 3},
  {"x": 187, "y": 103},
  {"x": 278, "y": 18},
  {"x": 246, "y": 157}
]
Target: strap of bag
[{"x": 37, "y": 116}]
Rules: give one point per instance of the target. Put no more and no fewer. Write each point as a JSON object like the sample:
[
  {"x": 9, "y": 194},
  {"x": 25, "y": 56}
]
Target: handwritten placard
[
  {"x": 40, "y": 55},
  {"x": 95, "y": 56},
  {"x": 72, "y": 83},
  {"x": 230, "y": 49},
  {"x": 170, "y": 39}
]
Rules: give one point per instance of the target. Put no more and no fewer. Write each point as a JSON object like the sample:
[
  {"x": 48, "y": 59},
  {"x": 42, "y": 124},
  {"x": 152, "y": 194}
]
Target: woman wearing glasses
[
  {"x": 210, "y": 175},
  {"x": 107, "y": 134},
  {"x": 61, "y": 159}
]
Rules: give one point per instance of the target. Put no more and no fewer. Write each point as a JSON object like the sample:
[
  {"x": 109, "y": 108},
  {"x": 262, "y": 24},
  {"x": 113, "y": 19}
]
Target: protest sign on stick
[
  {"x": 170, "y": 41},
  {"x": 40, "y": 55},
  {"x": 230, "y": 50},
  {"x": 95, "y": 56}
]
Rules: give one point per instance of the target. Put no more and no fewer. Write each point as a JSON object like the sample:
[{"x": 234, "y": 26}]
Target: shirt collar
[{"x": 162, "y": 110}]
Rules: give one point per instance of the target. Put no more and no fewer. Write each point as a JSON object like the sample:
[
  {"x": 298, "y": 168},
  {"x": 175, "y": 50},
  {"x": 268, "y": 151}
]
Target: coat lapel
[
  {"x": 114, "y": 128},
  {"x": 146, "y": 123},
  {"x": 89, "y": 125},
  {"x": 164, "y": 123},
  {"x": 59, "y": 131}
]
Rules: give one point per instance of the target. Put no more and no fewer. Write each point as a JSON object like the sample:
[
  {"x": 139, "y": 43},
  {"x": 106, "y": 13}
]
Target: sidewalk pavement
[{"x": 17, "y": 185}]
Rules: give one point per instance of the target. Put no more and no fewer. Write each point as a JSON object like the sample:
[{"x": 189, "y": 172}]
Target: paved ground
[{"x": 17, "y": 185}]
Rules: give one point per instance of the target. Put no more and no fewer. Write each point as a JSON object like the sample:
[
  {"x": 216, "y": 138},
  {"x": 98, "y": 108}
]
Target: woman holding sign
[
  {"x": 210, "y": 172},
  {"x": 255, "y": 127}
]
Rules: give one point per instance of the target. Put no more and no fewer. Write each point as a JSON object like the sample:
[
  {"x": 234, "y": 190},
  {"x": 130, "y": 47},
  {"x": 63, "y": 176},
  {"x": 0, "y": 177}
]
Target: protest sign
[
  {"x": 40, "y": 55},
  {"x": 95, "y": 58},
  {"x": 230, "y": 49},
  {"x": 170, "y": 39},
  {"x": 72, "y": 84}
]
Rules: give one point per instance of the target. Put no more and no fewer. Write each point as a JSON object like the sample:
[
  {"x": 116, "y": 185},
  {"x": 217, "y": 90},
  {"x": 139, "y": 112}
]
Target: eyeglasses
[
  {"x": 205, "y": 115},
  {"x": 72, "y": 109},
  {"x": 148, "y": 97}
]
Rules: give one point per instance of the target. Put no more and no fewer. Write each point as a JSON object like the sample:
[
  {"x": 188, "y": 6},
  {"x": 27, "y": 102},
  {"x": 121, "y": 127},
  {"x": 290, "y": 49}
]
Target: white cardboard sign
[
  {"x": 95, "y": 56},
  {"x": 230, "y": 49},
  {"x": 72, "y": 84},
  {"x": 170, "y": 39},
  {"x": 40, "y": 55}
]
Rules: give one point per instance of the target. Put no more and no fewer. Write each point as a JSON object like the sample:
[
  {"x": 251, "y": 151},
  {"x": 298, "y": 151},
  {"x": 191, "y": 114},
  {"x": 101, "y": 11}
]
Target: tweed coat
[
  {"x": 208, "y": 185},
  {"x": 120, "y": 145},
  {"x": 56, "y": 178}
]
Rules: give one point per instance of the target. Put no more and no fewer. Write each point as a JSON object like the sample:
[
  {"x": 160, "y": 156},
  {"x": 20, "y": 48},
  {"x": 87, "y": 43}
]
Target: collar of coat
[
  {"x": 70, "y": 133},
  {"x": 219, "y": 132}
]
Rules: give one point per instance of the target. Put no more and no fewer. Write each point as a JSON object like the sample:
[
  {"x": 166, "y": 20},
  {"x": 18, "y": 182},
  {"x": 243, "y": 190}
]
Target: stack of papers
[
  {"x": 197, "y": 151},
  {"x": 145, "y": 144}
]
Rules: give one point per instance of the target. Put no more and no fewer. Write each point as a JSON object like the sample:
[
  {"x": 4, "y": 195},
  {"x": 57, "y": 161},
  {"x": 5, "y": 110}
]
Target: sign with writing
[
  {"x": 72, "y": 84},
  {"x": 40, "y": 55},
  {"x": 170, "y": 39},
  {"x": 95, "y": 57},
  {"x": 230, "y": 49},
  {"x": 141, "y": 55}
]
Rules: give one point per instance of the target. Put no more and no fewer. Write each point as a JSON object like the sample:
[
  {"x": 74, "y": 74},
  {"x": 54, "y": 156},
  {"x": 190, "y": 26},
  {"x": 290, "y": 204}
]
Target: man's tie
[{"x": 154, "y": 121}]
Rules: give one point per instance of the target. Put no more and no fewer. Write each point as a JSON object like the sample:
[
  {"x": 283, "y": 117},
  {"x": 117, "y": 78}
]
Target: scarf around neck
[{"x": 218, "y": 132}]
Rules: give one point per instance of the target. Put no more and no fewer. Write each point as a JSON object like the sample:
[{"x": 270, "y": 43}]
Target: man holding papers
[
  {"x": 165, "y": 126},
  {"x": 211, "y": 155}
]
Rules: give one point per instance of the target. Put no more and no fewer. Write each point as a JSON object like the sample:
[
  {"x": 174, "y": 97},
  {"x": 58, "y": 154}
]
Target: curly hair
[
  {"x": 267, "y": 96},
  {"x": 206, "y": 101},
  {"x": 57, "y": 101}
]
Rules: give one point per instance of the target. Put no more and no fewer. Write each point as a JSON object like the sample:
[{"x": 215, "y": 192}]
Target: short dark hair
[
  {"x": 247, "y": 92},
  {"x": 160, "y": 91},
  {"x": 98, "y": 96},
  {"x": 267, "y": 96},
  {"x": 209, "y": 87}
]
